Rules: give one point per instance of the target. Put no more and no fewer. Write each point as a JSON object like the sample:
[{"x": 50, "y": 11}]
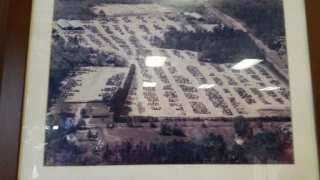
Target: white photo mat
[{"x": 35, "y": 108}]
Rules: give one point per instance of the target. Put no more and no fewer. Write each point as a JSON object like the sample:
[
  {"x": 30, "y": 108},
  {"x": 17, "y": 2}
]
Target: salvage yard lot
[
  {"x": 92, "y": 83},
  {"x": 176, "y": 93}
]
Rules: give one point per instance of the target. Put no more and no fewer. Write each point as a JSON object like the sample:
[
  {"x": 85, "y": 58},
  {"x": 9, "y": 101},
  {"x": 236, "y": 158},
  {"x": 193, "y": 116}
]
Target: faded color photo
[{"x": 140, "y": 82}]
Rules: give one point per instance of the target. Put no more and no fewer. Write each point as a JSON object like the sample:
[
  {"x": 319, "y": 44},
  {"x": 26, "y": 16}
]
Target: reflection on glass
[
  {"x": 35, "y": 173},
  {"x": 246, "y": 63},
  {"x": 155, "y": 61},
  {"x": 149, "y": 84},
  {"x": 269, "y": 88},
  {"x": 206, "y": 86}
]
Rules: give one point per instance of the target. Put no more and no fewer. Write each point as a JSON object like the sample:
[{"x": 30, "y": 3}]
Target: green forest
[
  {"x": 264, "y": 17},
  {"x": 66, "y": 55},
  {"x": 211, "y": 149},
  {"x": 224, "y": 45}
]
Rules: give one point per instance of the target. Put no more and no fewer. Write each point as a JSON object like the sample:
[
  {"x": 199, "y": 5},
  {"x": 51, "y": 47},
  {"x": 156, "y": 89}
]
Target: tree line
[
  {"x": 264, "y": 17},
  {"x": 212, "y": 149},
  {"x": 119, "y": 98},
  {"x": 275, "y": 145},
  {"x": 65, "y": 55},
  {"x": 68, "y": 54},
  {"x": 224, "y": 45}
]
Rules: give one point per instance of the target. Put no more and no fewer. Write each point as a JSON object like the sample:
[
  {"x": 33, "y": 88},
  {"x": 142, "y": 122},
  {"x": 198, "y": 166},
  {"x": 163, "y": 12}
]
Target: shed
[
  {"x": 194, "y": 15},
  {"x": 75, "y": 25},
  {"x": 189, "y": 28},
  {"x": 63, "y": 24},
  {"x": 208, "y": 27},
  {"x": 187, "y": 14}
]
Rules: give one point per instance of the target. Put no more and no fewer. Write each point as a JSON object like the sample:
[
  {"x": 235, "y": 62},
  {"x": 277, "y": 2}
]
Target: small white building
[
  {"x": 63, "y": 24},
  {"x": 69, "y": 25},
  {"x": 75, "y": 25},
  {"x": 194, "y": 15},
  {"x": 188, "y": 28},
  {"x": 208, "y": 27},
  {"x": 187, "y": 14}
]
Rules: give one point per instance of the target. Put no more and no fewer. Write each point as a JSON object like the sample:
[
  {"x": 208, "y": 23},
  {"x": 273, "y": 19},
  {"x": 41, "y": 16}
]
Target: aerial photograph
[{"x": 155, "y": 82}]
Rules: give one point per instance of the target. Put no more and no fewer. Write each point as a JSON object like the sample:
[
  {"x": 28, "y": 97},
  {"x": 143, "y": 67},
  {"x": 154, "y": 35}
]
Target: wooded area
[
  {"x": 67, "y": 55},
  {"x": 211, "y": 149},
  {"x": 224, "y": 45},
  {"x": 264, "y": 17}
]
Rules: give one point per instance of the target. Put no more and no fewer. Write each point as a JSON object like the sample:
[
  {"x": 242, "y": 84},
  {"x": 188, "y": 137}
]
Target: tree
[
  {"x": 206, "y": 45},
  {"x": 153, "y": 125},
  {"x": 83, "y": 112},
  {"x": 237, "y": 155},
  {"x": 223, "y": 46},
  {"x": 187, "y": 41},
  {"x": 267, "y": 145},
  {"x": 89, "y": 134},
  {"x": 107, "y": 152},
  {"x": 241, "y": 126},
  {"x": 261, "y": 16},
  {"x": 214, "y": 147},
  {"x": 118, "y": 100},
  {"x": 120, "y": 62},
  {"x": 81, "y": 123},
  {"x": 178, "y": 132},
  {"x": 102, "y": 13},
  {"x": 50, "y": 120},
  {"x": 101, "y": 58},
  {"x": 165, "y": 130}
]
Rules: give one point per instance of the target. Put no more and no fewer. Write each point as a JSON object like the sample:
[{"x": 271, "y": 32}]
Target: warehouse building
[
  {"x": 63, "y": 24},
  {"x": 194, "y": 15},
  {"x": 75, "y": 25},
  {"x": 69, "y": 25}
]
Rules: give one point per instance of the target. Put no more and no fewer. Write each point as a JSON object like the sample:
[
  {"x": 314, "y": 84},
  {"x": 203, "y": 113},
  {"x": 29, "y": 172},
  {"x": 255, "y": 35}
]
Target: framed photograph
[{"x": 159, "y": 89}]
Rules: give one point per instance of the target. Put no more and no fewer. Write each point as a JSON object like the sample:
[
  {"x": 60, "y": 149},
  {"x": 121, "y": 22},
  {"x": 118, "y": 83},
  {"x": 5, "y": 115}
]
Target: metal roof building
[
  {"x": 75, "y": 25},
  {"x": 63, "y": 24},
  {"x": 187, "y": 14},
  {"x": 189, "y": 28},
  {"x": 194, "y": 15}
]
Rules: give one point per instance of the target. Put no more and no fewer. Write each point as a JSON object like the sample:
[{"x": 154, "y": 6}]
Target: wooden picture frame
[
  {"x": 312, "y": 10},
  {"x": 14, "y": 34},
  {"x": 13, "y": 56}
]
